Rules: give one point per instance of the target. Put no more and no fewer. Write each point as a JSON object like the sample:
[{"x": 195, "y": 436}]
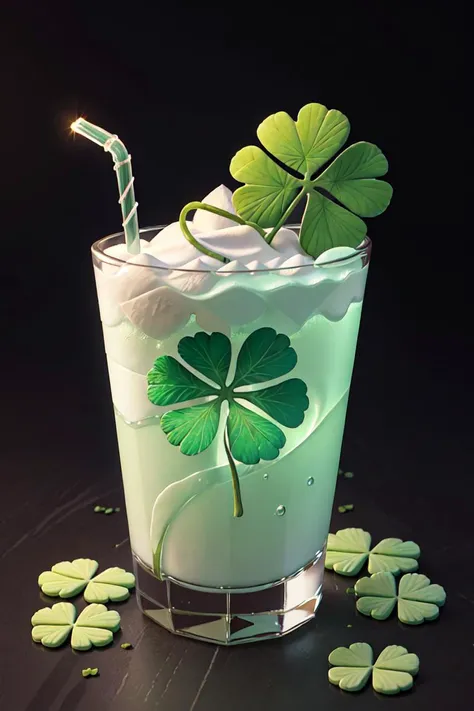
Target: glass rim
[{"x": 97, "y": 249}]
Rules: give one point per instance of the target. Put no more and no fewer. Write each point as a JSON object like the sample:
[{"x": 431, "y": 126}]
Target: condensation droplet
[
  {"x": 265, "y": 476},
  {"x": 281, "y": 510},
  {"x": 310, "y": 481}
]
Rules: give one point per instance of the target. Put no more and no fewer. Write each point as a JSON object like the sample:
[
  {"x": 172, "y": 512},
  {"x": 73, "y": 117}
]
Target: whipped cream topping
[
  {"x": 238, "y": 243},
  {"x": 150, "y": 297}
]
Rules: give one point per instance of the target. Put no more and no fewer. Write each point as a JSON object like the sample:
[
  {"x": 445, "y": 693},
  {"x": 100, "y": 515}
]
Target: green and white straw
[{"x": 123, "y": 167}]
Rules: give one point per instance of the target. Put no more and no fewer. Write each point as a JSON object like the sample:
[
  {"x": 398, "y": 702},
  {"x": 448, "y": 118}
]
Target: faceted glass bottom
[{"x": 230, "y": 615}]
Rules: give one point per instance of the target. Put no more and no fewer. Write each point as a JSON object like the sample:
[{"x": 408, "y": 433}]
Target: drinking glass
[{"x": 228, "y": 519}]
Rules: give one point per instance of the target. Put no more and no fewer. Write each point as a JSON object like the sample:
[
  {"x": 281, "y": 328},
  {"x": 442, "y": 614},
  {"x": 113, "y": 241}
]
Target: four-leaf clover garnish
[
  {"x": 392, "y": 672},
  {"x": 348, "y": 549},
  {"x": 69, "y": 578},
  {"x": 418, "y": 600},
  {"x": 94, "y": 626},
  {"x": 264, "y": 356},
  {"x": 346, "y": 188}
]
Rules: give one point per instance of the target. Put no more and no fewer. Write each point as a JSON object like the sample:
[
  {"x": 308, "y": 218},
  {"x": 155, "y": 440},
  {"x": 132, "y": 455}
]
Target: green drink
[{"x": 182, "y": 506}]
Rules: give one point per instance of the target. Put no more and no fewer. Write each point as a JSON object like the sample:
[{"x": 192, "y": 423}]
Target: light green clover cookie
[
  {"x": 392, "y": 672},
  {"x": 94, "y": 626},
  {"x": 113, "y": 584},
  {"x": 348, "y": 550},
  {"x": 353, "y": 666},
  {"x": 418, "y": 600},
  {"x": 52, "y": 625},
  {"x": 69, "y": 578},
  {"x": 378, "y": 595}
]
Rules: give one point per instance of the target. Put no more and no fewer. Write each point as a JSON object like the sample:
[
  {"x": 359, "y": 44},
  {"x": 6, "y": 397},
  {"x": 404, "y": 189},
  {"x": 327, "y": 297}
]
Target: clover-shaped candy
[
  {"x": 418, "y": 600},
  {"x": 348, "y": 550},
  {"x": 94, "y": 626},
  {"x": 271, "y": 192},
  {"x": 69, "y": 578},
  {"x": 392, "y": 672},
  {"x": 249, "y": 437}
]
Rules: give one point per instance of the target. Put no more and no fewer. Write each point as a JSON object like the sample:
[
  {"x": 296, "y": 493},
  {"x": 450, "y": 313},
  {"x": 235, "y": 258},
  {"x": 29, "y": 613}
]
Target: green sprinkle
[
  {"x": 126, "y": 645},
  {"x": 86, "y": 672},
  {"x": 99, "y": 509},
  {"x": 349, "y": 625},
  {"x": 117, "y": 509},
  {"x": 350, "y": 591},
  {"x": 94, "y": 672},
  {"x": 349, "y": 475},
  {"x": 345, "y": 508},
  {"x": 108, "y": 511}
]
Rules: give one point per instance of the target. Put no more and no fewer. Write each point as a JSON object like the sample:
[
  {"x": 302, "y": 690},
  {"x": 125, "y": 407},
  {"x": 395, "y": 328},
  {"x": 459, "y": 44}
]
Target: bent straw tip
[{"x": 75, "y": 124}]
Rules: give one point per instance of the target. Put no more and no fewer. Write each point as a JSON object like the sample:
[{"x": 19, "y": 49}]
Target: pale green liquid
[{"x": 286, "y": 515}]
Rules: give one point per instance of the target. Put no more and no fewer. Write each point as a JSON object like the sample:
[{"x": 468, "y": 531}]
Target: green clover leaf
[
  {"x": 326, "y": 225},
  {"x": 308, "y": 143},
  {"x": 350, "y": 179},
  {"x": 269, "y": 189},
  {"x": 252, "y": 437},
  {"x": 418, "y": 600},
  {"x": 169, "y": 383},
  {"x": 69, "y": 578},
  {"x": 249, "y": 437},
  {"x": 347, "y": 188},
  {"x": 349, "y": 549},
  {"x": 392, "y": 672},
  {"x": 94, "y": 626}
]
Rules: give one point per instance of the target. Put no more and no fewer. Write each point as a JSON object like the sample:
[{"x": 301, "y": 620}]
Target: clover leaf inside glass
[{"x": 249, "y": 437}]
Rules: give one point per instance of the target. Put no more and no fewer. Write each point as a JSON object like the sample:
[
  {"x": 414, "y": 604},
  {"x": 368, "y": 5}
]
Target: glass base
[{"x": 231, "y": 615}]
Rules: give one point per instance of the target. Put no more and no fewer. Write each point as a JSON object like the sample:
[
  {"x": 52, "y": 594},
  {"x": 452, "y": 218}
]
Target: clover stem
[
  {"x": 189, "y": 235},
  {"x": 269, "y": 237},
  {"x": 238, "y": 508},
  {"x": 216, "y": 211}
]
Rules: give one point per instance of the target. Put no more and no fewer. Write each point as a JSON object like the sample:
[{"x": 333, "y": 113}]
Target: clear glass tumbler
[{"x": 230, "y": 391}]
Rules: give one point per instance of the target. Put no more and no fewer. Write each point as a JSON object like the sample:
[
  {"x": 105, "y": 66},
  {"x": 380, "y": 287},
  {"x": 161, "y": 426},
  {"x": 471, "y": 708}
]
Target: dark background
[{"x": 185, "y": 87}]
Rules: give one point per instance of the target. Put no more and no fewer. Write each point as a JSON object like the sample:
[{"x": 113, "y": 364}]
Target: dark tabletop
[{"x": 411, "y": 481}]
